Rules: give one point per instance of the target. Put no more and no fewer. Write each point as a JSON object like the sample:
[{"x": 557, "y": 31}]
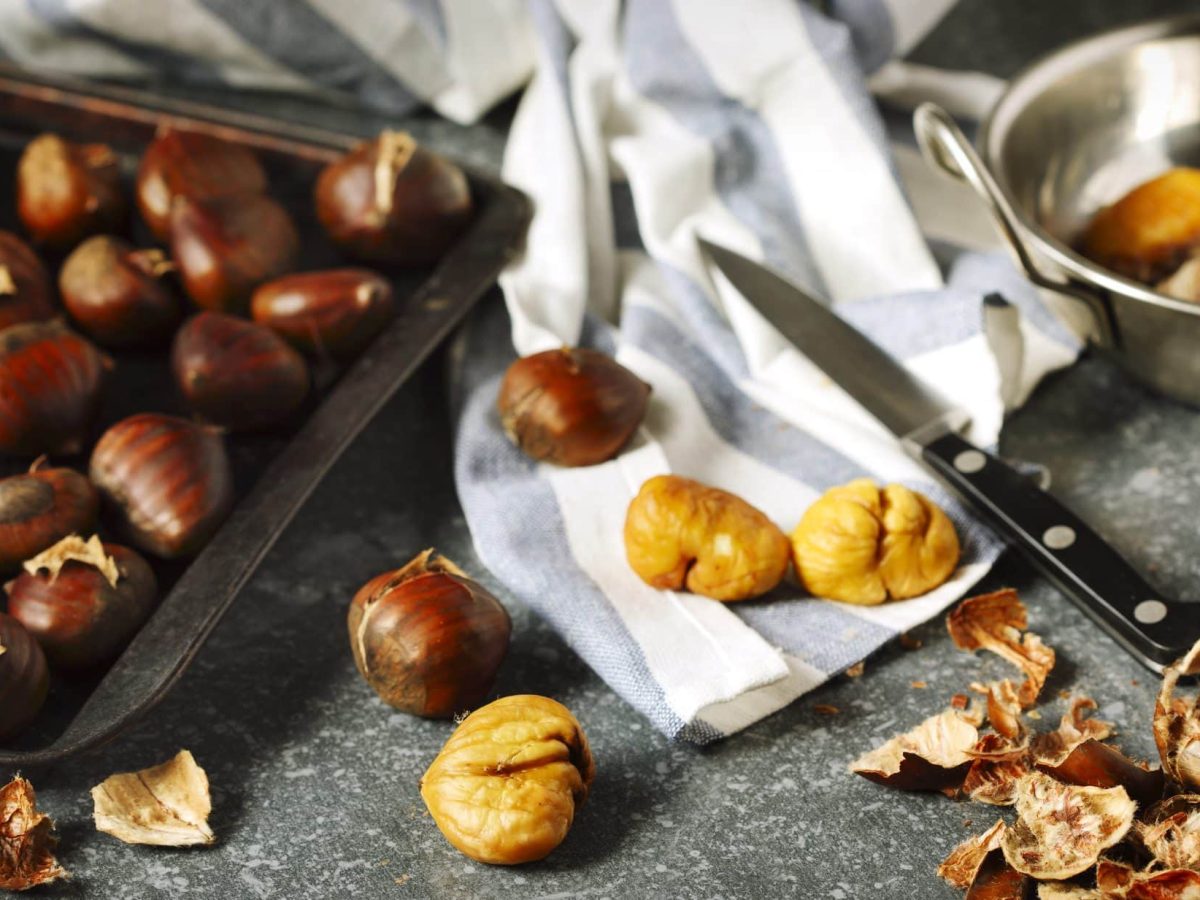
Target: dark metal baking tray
[{"x": 274, "y": 472}]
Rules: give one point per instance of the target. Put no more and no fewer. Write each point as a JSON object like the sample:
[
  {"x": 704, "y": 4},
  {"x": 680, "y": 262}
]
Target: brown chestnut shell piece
[
  {"x": 427, "y": 638},
  {"x": 68, "y": 191},
  {"x": 118, "y": 294},
  {"x": 192, "y": 164},
  {"x": 335, "y": 312},
  {"x": 572, "y": 406},
  {"x": 50, "y": 385},
  {"x": 39, "y": 508},
  {"x": 226, "y": 246},
  {"x": 168, "y": 480},
  {"x": 391, "y": 201},
  {"x": 236, "y": 373},
  {"x": 26, "y": 292},
  {"x": 24, "y": 678}
]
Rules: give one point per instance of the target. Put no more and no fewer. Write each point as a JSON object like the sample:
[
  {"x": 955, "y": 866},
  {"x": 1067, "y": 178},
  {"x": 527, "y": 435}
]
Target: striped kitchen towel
[{"x": 642, "y": 125}]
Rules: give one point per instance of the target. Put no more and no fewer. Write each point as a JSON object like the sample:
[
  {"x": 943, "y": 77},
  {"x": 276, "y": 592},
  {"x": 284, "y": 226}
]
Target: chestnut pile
[{"x": 210, "y": 280}]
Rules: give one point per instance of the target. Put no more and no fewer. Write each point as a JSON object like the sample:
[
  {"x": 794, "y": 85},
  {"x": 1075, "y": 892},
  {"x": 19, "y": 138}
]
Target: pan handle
[{"x": 945, "y": 147}]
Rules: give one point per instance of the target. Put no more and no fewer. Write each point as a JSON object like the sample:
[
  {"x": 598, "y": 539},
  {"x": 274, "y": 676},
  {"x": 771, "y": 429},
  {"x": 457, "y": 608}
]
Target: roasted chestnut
[
  {"x": 168, "y": 480},
  {"x": 50, "y": 381},
  {"x": 192, "y": 164},
  {"x": 118, "y": 294},
  {"x": 226, "y": 246},
  {"x": 40, "y": 508},
  {"x": 335, "y": 312},
  {"x": 83, "y": 600},
  {"x": 573, "y": 407},
  {"x": 24, "y": 678},
  {"x": 26, "y": 294},
  {"x": 67, "y": 191},
  {"x": 427, "y": 638},
  {"x": 392, "y": 201},
  {"x": 237, "y": 374}
]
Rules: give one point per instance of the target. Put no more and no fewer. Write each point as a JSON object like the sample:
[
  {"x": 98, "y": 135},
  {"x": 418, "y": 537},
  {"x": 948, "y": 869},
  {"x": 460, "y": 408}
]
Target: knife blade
[{"x": 1059, "y": 543}]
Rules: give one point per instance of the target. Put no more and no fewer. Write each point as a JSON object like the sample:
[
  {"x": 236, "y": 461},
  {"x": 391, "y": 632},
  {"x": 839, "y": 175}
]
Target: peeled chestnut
[
  {"x": 83, "y": 600},
  {"x": 427, "y": 638},
  {"x": 573, "y": 407},
  {"x": 237, "y": 374},
  {"x": 226, "y": 246},
  {"x": 67, "y": 191},
  {"x": 392, "y": 201},
  {"x": 24, "y": 678},
  {"x": 40, "y": 508},
  {"x": 118, "y": 294},
  {"x": 26, "y": 294},
  {"x": 192, "y": 164},
  {"x": 168, "y": 480},
  {"x": 335, "y": 312},
  {"x": 50, "y": 381}
]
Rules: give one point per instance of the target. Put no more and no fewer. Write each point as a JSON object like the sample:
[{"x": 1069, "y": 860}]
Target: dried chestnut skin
[
  {"x": 24, "y": 678},
  {"x": 117, "y": 294},
  {"x": 391, "y": 201},
  {"x": 427, "y": 638},
  {"x": 236, "y": 373},
  {"x": 67, "y": 191},
  {"x": 77, "y": 616},
  {"x": 26, "y": 293},
  {"x": 335, "y": 312},
  {"x": 168, "y": 481},
  {"x": 192, "y": 164},
  {"x": 226, "y": 246},
  {"x": 41, "y": 507},
  {"x": 50, "y": 384},
  {"x": 572, "y": 406}
]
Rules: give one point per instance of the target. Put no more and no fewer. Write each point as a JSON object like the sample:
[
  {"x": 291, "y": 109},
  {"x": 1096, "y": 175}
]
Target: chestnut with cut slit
[
  {"x": 68, "y": 191},
  {"x": 41, "y": 507}
]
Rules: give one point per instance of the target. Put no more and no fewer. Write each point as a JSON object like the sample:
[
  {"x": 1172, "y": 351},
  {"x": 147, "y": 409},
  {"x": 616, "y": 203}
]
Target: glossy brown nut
[
  {"x": 39, "y": 508},
  {"x": 168, "y": 481},
  {"x": 26, "y": 293},
  {"x": 392, "y": 201},
  {"x": 427, "y": 638},
  {"x": 118, "y": 295},
  {"x": 67, "y": 191},
  {"x": 237, "y": 374},
  {"x": 50, "y": 383},
  {"x": 227, "y": 246},
  {"x": 573, "y": 407},
  {"x": 191, "y": 164},
  {"x": 335, "y": 312},
  {"x": 24, "y": 678}
]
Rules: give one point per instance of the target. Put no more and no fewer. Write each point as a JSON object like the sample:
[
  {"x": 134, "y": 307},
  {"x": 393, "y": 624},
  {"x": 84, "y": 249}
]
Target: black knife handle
[{"x": 1079, "y": 562}]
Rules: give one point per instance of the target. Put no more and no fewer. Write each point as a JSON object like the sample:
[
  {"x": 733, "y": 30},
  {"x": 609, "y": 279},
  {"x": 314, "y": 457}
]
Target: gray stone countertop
[{"x": 315, "y": 780}]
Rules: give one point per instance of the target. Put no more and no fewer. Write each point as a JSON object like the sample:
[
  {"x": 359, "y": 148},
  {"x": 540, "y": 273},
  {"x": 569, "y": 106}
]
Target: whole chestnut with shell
[
  {"x": 67, "y": 191},
  {"x": 24, "y": 678},
  {"x": 167, "y": 480},
  {"x": 39, "y": 508},
  {"x": 427, "y": 638},
  {"x": 392, "y": 201},
  {"x": 573, "y": 406},
  {"x": 333, "y": 313},
  {"x": 26, "y": 293},
  {"x": 83, "y": 600}
]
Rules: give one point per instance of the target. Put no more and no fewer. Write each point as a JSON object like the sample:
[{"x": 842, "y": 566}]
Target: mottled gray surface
[{"x": 315, "y": 781}]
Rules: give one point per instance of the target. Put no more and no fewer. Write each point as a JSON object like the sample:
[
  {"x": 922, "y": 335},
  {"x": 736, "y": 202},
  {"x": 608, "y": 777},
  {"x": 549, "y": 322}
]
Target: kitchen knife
[{"x": 1079, "y": 562}]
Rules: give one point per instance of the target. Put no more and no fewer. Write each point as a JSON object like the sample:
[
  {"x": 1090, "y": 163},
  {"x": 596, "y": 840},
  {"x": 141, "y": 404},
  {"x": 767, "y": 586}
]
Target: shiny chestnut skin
[
  {"x": 573, "y": 407},
  {"x": 39, "y": 508},
  {"x": 50, "y": 384},
  {"x": 236, "y": 373},
  {"x": 77, "y": 616},
  {"x": 391, "y": 201},
  {"x": 24, "y": 678},
  {"x": 168, "y": 481},
  {"x": 67, "y": 191},
  {"x": 26, "y": 292},
  {"x": 335, "y": 312},
  {"x": 117, "y": 294},
  {"x": 226, "y": 246},
  {"x": 427, "y": 638},
  {"x": 192, "y": 164}
]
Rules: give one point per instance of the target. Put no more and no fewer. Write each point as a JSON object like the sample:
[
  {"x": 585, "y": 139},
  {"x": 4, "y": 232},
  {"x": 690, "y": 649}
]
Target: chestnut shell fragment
[
  {"x": 39, "y": 508},
  {"x": 24, "y": 677},
  {"x": 335, "y": 312},
  {"x": 26, "y": 293},
  {"x": 67, "y": 191}
]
